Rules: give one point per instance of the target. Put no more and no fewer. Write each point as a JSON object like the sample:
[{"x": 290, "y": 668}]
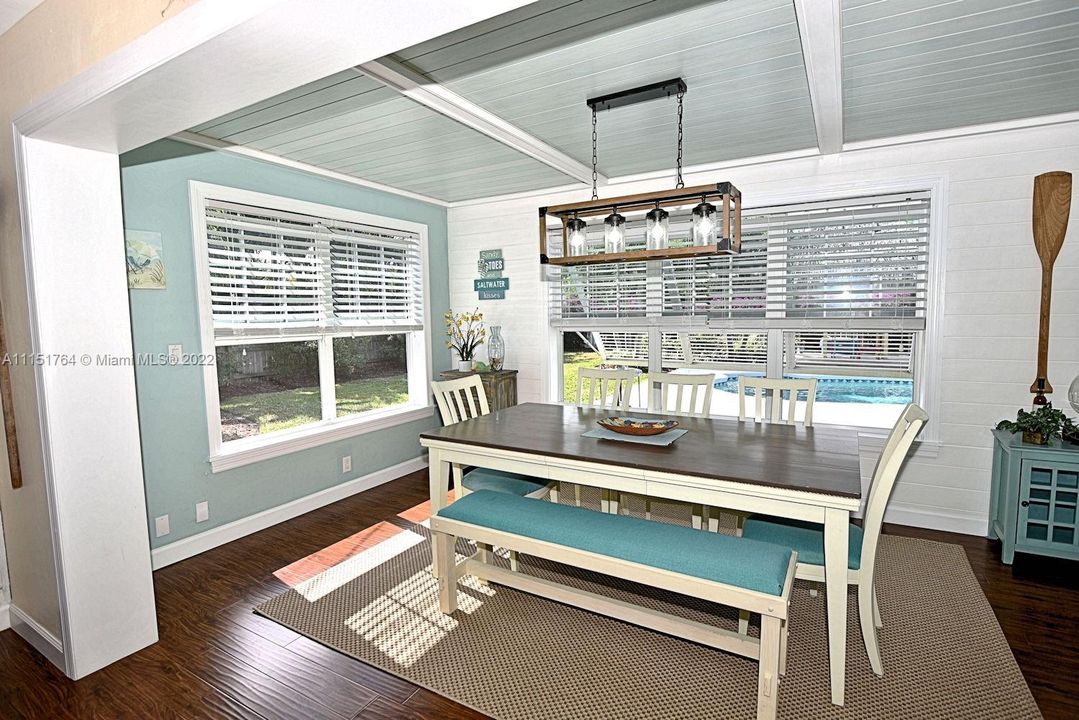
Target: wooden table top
[{"x": 821, "y": 459}]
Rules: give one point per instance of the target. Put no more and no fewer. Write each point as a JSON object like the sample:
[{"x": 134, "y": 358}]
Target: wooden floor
[{"x": 217, "y": 660}]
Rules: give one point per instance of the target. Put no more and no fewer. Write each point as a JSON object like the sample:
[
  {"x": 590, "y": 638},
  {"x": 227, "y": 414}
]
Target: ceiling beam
[
  {"x": 820, "y": 30},
  {"x": 444, "y": 101}
]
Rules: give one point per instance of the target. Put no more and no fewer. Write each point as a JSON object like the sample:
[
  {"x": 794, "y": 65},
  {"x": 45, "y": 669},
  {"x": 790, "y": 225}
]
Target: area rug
[{"x": 514, "y": 656}]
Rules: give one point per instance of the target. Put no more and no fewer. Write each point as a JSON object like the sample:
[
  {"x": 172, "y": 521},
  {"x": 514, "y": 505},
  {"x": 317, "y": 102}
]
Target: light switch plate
[
  {"x": 346, "y": 464},
  {"x": 161, "y": 525},
  {"x": 202, "y": 511}
]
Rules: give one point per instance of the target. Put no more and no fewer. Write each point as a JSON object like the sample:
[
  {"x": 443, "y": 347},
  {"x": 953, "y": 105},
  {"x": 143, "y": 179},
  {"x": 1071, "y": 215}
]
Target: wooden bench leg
[
  {"x": 698, "y": 516},
  {"x": 446, "y": 571},
  {"x": 768, "y": 673},
  {"x": 713, "y": 515},
  {"x": 514, "y": 560},
  {"x": 783, "y": 649},
  {"x": 605, "y": 501},
  {"x": 743, "y": 622},
  {"x": 554, "y": 493},
  {"x": 648, "y": 508},
  {"x": 577, "y": 495},
  {"x": 483, "y": 555}
]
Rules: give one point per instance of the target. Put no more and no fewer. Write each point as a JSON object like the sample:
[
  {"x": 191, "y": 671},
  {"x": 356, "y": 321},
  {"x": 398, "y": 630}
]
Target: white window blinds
[
  {"x": 276, "y": 272},
  {"x": 853, "y": 263}
]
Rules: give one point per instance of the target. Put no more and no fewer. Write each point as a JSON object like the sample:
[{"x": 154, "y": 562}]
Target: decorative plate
[{"x": 637, "y": 426}]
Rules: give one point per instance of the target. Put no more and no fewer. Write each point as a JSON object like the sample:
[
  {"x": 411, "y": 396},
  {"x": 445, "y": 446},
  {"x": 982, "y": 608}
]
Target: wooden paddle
[
  {"x": 9, "y": 412},
  {"x": 1052, "y": 204}
]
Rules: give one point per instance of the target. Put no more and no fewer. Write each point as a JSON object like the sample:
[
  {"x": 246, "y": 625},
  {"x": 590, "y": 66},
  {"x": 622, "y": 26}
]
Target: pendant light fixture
[
  {"x": 614, "y": 233},
  {"x": 657, "y": 228},
  {"x": 711, "y": 212},
  {"x": 578, "y": 238}
]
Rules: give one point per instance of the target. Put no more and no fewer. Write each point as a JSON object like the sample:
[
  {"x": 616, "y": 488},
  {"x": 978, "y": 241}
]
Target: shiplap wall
[{"x": 990, "y": 300}]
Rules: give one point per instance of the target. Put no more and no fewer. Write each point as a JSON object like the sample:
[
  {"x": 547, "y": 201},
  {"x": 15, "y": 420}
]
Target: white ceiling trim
[
  {"x": 432, "y": 95},
  {"x": 192, "y": 138},
  {"x": 985, "y": 129},
  {"x": 820, "y": 29}
]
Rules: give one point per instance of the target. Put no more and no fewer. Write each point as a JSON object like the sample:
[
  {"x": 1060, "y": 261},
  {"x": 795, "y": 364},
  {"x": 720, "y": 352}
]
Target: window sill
[{"x": 245, "y": 452}]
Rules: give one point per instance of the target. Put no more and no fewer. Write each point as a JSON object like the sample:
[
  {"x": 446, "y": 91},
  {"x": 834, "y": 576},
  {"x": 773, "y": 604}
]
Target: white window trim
[
  {"x": 225, "y": 456},
  {"x": 929, "y": 360}
]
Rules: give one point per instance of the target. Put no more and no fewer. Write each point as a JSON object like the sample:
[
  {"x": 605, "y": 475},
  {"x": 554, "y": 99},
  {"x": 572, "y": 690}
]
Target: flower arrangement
[{"x": 466, "y": 333}]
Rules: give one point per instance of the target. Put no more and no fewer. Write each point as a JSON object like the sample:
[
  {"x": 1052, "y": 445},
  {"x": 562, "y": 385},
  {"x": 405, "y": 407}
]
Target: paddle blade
[{"x": 1052, "y": 205}]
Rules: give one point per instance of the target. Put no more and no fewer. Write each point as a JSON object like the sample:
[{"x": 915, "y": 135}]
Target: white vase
[{"x": 464, "y": 365}]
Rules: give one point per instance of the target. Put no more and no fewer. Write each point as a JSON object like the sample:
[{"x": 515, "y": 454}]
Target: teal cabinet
[{"x": 1035, "y": 496}]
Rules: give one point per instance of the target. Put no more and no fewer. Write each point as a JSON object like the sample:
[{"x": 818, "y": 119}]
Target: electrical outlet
[
  {"x": 161, "y": 525},
  {"x": 202, "y": 511},
  {"x": 346, "y": 464},
  {"x": 176, "y": 353}
]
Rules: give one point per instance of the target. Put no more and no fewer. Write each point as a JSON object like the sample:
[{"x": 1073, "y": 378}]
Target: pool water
[{"x": 845, "y": 389}]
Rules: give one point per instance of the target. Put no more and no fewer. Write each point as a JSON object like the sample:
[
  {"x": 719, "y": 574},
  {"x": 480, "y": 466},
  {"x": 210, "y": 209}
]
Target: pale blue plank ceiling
[{"x": 909, "y": 66}]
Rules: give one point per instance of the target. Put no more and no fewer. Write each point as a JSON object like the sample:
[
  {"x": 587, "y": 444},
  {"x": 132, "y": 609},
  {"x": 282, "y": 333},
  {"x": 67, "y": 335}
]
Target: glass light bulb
[
  {"x": 577, "y": 236},
  {"x": 614, "y": 233},
  {"x": 1073, "y": 394},
  {"x": 704, "y": 224},
  {"x": 657, "y": 228}
]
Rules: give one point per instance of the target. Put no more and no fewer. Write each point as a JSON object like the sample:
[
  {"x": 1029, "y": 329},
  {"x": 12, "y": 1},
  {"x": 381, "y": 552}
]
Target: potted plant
[
  {"x": 1038, "y": 426},
  {"x": 466, "y": 333}
]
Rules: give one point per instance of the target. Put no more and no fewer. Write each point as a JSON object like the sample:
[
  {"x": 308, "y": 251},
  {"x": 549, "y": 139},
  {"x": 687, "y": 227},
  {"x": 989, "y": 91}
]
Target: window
[
  {"x": 834, "y": 290},
  {"x": 316, "y": 320}
]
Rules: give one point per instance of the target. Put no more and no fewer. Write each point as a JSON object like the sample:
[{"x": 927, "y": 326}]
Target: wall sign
[{"x": 491, "y": 285}]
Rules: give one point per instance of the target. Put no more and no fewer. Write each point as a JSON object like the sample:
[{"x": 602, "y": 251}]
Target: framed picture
[{"x": 145, "y": 261}]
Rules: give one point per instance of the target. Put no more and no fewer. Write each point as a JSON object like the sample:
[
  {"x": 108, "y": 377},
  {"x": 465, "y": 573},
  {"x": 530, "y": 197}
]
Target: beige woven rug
[{"x": 514, "y": 656}]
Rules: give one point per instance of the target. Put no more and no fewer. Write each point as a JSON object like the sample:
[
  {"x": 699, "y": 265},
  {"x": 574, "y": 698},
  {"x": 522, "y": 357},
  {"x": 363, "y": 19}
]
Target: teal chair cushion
[
  {"x": 733, "y": 561},
  {"x": 503, "y": 482},
  {"x": 805, "y": 538}
]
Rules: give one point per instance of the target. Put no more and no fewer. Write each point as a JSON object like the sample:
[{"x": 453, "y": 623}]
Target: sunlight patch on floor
[
  {"x": 405, "y": 623},
  {"x": 353, "y": 567}
]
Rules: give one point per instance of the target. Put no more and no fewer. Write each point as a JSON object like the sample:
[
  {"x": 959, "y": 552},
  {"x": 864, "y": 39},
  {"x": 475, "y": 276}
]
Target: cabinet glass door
[{"x": 1047, "y": 505}]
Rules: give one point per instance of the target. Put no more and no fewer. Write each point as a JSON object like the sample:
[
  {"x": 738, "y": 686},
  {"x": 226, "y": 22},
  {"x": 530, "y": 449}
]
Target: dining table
[{"x": 789, "y": 471}]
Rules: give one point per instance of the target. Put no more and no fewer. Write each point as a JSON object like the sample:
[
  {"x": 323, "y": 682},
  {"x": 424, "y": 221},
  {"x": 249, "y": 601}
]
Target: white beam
[
  {"x": 430, "y": 94},
  {"x": 820, "y": 29}
]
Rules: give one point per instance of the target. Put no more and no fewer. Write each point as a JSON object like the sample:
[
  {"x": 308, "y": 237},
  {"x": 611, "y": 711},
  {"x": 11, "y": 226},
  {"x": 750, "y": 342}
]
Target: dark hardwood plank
[{"x": 216, "y": 659}]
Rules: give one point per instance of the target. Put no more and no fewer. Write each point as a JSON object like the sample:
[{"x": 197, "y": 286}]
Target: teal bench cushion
[
  {"x": 805, "y": 538},
  {"x": 733, "y": 561},
  {"x": 503, "y": 482}
]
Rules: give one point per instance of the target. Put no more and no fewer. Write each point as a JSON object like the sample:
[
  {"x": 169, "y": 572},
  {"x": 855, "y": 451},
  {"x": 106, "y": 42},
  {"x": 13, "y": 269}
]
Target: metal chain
[
  {"x": 595, "y": 175},
  {"x": 679, "y": 183}
]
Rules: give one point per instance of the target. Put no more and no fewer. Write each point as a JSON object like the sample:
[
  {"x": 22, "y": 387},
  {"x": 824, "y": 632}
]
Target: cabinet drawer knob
[{"x": 1025, "y": 503}]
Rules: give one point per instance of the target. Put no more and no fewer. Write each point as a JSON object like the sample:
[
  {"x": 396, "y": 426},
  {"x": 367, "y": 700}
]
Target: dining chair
[
  {"x": 808, "y": 538},
  {"x": 692, "y": 397},
  {"x": 607, "y": 390},
  {"x": 774, "y": 388},
  {"x": 463, "y": 399}
]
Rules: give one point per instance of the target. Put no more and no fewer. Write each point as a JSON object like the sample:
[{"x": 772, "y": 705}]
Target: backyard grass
[
  {"x": 286, "y": 409},
  {"x": 571, "y": 363}
]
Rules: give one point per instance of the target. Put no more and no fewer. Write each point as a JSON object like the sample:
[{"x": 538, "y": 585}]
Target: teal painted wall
[{"x": 172, "y": 410}]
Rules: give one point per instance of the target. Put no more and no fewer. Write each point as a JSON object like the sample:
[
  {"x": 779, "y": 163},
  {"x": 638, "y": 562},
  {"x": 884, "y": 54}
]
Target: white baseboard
[
  {"x": 932, "y": 519},
  {"x": 191, "y": 546},
  {"x": 5, "y": 616},
  {"x": 43, "y": 641}
]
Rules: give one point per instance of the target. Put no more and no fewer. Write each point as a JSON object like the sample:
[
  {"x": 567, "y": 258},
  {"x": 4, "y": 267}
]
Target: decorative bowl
[{"x": 637, "y": 426}]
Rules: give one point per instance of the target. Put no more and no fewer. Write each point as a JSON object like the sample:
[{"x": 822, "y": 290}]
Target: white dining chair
[
  {"x": 768, "y": 394},
  {"x": 607, "y": 390},
  {"x": 463, "y": 399},
  {"x": 808, "y": 538},
  {"x": 775, "y": 388},
  {"x": 682, "y": 394}
]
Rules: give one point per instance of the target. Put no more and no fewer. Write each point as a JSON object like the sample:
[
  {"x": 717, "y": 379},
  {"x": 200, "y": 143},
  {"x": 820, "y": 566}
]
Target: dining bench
[{"x": 746, "y": 574}]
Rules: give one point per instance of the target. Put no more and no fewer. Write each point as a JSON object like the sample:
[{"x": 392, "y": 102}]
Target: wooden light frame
[{"x": 725, "y": 196}]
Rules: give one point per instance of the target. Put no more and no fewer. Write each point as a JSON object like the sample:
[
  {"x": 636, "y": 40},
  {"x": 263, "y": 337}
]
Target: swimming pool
[{"x": 844, "y": 389}]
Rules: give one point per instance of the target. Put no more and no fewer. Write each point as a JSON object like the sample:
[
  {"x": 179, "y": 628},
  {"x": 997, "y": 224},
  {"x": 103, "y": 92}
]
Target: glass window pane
[
  {"x": 370, "y": 372},
  {"x": 603, "y": 349},
  {"x": 727, "y": 354},
  {"x": 267, "y": 387},
  {"x": 864, "y": 378}
]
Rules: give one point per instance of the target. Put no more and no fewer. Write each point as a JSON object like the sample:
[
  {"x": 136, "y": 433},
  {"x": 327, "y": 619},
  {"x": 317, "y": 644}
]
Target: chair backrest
[
  {"x": 608, "y": 389},
  {"x": 460, "y": 399},
  {"x": 776, "y": 387},
  {"x": 696, "y": 389},
  {"x": 884, "y": 476}
]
